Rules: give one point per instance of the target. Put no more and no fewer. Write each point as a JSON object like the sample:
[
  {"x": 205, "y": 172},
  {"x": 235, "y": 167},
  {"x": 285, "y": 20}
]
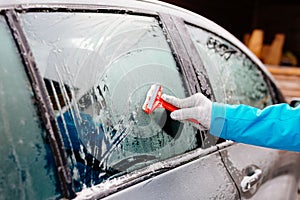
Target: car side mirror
[{"x": 295, "y": 102}]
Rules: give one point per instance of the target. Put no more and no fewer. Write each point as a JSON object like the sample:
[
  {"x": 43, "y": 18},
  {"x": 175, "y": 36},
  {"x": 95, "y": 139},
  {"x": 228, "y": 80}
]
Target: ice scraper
[{"x": 153, "y": 100}]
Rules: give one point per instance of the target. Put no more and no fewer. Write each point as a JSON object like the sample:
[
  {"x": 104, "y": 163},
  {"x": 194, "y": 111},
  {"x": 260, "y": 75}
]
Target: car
[{"x": 74, "y": 76}]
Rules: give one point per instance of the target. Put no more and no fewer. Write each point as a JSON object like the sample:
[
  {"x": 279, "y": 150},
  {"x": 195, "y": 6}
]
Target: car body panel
[
  {"x": 278, "y": 182},
  {"x": 189, "y": 181}
]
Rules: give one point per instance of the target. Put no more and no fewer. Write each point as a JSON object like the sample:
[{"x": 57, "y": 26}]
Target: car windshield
[{"x": 97, "y": 69}]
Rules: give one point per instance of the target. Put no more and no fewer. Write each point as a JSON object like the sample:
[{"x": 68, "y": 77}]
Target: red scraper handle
[
  {"x": 172, "y": 108},
  {"x": 167, "y": 105}
]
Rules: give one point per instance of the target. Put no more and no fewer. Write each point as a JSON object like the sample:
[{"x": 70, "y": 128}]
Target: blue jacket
[{"x": 276, "y": 126}]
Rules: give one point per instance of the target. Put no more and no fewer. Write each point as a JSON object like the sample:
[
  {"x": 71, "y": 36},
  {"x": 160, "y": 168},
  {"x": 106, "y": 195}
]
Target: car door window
[
  {"x": 235, "y": 79},
  {"x": 97, "y": 69},
  {"x": 26, "y": 166}
]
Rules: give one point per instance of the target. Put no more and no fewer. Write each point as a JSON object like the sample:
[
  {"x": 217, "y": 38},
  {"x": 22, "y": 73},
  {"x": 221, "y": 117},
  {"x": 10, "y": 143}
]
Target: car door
[
  {"x": 97, "y": 66},
  {"x": 259, "y": 173}
]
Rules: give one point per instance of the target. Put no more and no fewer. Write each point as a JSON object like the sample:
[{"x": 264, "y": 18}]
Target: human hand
[{"x": 196, "y": 107}]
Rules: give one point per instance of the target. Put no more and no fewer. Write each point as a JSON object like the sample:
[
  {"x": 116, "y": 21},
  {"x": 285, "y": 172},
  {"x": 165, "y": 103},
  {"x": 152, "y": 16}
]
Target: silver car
[{"x": 73, "y": 79}]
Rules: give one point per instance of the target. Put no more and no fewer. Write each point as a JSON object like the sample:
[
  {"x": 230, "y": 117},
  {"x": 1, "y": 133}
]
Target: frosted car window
[
  {"x": 26, "y": 164},
  {"x": 233, "y": 76},
  {"x": 98, "y": 68}
]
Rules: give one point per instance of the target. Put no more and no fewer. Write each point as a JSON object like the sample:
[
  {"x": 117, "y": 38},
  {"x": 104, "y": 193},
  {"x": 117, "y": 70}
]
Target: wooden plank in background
[
  {"x": 290, "y": 71},
  {"x": 255, "y": 43},
  {"x": 274, "y": 54},
  {"x": 288, "y": 80}
]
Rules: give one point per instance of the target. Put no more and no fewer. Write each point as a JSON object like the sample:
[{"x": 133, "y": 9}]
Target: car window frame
[
  {"x": 194, "y": 61},
  {"x": 181, "y": 57},
  {"x": 43, "y": 104}
]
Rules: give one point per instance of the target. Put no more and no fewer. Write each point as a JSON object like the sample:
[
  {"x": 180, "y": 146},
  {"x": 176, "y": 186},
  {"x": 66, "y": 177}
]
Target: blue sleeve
[{"x": 276, "y": 126}]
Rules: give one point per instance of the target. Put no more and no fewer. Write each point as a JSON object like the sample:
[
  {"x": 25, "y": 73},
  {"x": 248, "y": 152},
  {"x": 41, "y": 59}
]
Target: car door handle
[{"x": 251, "y": 180}]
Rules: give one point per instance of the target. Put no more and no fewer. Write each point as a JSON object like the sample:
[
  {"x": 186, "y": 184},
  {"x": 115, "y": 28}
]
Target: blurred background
[{"x": 269, "y": 28}]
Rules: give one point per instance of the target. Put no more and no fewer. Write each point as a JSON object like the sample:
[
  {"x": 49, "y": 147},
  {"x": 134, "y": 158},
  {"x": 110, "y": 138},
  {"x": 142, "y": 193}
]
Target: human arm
[{"x": 276, "y": 126}]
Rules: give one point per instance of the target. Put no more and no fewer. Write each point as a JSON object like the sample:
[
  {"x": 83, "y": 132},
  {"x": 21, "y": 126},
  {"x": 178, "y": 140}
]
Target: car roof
[
  {"x": 136, "y": 5},
  {"x": 153, "y": 6}
]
